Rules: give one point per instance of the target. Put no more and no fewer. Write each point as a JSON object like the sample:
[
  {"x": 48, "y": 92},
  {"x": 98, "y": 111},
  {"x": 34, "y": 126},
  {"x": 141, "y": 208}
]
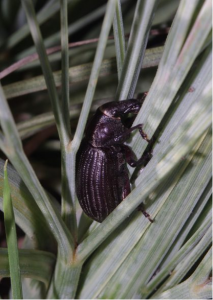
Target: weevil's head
[
  {"x": 119, "y": 109},
  {"x": 107, "y": 126}
]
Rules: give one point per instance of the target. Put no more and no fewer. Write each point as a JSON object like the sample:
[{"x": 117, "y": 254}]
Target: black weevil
[{"x": 102, "y": 180}]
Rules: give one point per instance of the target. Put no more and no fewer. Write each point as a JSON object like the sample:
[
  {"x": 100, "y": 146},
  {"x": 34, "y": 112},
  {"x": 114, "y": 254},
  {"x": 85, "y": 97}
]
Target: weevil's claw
[
  {"x": 141, "y": 208},
  {"x": 147, "y": 216},
  {"x": 143, "y": 134}
]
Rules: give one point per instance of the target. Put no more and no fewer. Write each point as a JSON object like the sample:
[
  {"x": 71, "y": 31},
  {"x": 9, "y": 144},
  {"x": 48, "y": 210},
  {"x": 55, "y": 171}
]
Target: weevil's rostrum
[{"x": 102, "y": 180}]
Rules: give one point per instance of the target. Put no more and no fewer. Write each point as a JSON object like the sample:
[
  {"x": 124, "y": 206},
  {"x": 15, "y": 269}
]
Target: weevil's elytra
[{"x": 102, "y": 180}]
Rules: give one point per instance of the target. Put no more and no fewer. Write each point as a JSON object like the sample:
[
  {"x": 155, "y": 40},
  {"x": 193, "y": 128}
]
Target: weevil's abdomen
[{"x": 101, "y": 176}]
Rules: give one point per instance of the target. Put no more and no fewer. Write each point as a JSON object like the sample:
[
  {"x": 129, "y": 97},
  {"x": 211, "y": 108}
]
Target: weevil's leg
[
  {"x": 141, "y": 208},
  {"x": 131, "y": 159},
  {"x": 140, "y": 126},
  {"x": 126, "y": 134},
  {"x": 142, "y": 133},
  {"x": 126, "y": 191}
]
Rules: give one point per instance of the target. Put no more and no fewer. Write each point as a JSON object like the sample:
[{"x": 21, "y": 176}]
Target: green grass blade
[
  {"x": 169, "y": 78},
  {"x": 195, "y": 218},
  {"x": 67, "y": 210},
  {"x": 54, "y": 39},
  {"x": 8, "y": 125},
  {"x": 10, "y": 228},
  {"x": 199, "y": 79},
  {"x": 36, "y": 35},
  {"x": 198, "y": 286},
  {"x": 195, "y": 242},
  {"x": 53, "y": 217},
  {"x": 119, "y": 38},
  {"x": 136, "y": 49},
  {"x": 22, "y": 165},
  {"x": 77, "y": 75},
  {"x": 178, "y": 32},
  {"x": 33, "y": 264},
  {"x": 35, "y": 124},
  {"x": 66, "y": 280},
  {"x": 27, "y": 214},
  {"x": 62, "y": 121},
  {"x": 65, "y": 66},
  {"x": 47, "y": 11},
  {"x": 187, "y": 263}
]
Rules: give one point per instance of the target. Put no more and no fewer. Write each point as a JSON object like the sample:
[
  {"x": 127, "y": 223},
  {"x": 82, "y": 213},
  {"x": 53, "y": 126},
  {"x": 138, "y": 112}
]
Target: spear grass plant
[{"x": 64, "y": 254}]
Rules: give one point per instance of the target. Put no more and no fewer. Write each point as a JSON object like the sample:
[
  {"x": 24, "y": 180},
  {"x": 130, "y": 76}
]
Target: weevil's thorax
[{"x": 103, "y": 131}]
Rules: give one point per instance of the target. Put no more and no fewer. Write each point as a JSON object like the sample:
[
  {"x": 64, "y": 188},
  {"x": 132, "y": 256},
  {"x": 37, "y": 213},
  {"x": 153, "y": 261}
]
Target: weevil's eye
[{"x": 114, "y": 113}]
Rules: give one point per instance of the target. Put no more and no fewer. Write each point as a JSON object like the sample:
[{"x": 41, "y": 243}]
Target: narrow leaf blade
[{"x": 10, "y": 229}]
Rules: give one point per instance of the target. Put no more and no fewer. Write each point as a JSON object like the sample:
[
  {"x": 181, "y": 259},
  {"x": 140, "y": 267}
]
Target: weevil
[{"x": 102, "y": 180}]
